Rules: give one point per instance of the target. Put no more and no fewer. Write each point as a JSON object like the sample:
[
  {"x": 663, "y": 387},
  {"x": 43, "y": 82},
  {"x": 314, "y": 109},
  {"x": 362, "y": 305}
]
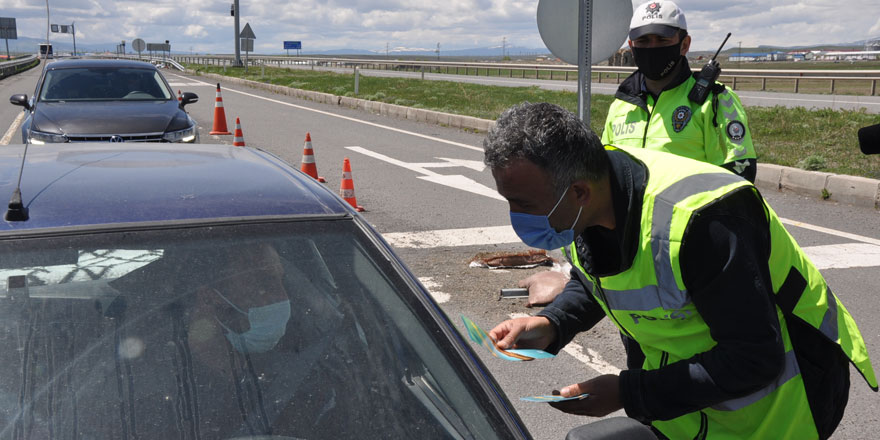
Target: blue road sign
[{"x": 293, "y": 45}]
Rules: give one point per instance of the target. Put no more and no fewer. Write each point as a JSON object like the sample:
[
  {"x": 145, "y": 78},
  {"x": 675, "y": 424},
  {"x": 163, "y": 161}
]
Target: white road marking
[
  {"x": 452, "y": 237},
  {"x": 432, "y": 285},
  {"x": 456, "y": 181},
  {"x": 842, "y": 256},
  {"x": 12, "y": 129},
  {"x": 475, "y": 165},
  {"x": 828, "y": 231},
  {"x": 190, "y": 84},
  {"x": 591, "y": 358},
  {"x": 372, "y": 124}
]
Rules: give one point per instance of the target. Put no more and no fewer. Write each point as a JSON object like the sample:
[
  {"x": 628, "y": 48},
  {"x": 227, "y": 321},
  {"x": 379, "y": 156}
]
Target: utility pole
[
  {"x": 386, "y": 50},
  {"x": 503, "y": 46},
  {"x": 739, "y": 58},
  {"x": 438, "y": 51}
]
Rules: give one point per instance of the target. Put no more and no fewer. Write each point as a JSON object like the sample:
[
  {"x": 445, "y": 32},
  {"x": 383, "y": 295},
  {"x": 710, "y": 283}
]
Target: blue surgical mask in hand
[
  {"x": 535, "y": 230},
  {"x": 267, "y": 325}
]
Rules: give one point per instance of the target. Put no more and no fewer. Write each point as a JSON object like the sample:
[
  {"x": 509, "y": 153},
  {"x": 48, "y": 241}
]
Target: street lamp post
[
  {"x": 47, "y": 23},
  {"x": 236, "y": 12}
]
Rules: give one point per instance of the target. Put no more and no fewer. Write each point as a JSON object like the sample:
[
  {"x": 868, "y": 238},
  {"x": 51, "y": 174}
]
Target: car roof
[
  {"x": 65, "y": 185},
  {"x": 94, "y": 62}
]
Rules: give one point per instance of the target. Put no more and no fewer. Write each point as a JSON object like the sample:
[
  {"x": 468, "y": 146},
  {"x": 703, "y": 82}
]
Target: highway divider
[
  {"x": 9, "y": 68},
  {"x": 853, "y": 190}
]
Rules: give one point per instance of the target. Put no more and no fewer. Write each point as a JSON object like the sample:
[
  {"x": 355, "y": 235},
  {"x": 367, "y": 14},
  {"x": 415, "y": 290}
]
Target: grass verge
[{"x": 820, "y": 140}]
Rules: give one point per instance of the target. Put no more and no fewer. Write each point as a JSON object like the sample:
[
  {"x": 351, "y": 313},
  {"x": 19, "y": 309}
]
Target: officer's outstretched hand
[
  {"x": 531, "y": 332},
  {"x": 603, "y": 399},
  {"x": 544, "y": 286}
]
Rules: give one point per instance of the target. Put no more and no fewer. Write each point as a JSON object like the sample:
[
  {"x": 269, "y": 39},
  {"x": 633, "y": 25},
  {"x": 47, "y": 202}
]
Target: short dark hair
[{"x": 548, "y": 136}]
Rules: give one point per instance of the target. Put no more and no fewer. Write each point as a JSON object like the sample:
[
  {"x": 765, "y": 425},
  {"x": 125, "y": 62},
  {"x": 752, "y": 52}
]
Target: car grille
[{"x": 146, "y": 137}]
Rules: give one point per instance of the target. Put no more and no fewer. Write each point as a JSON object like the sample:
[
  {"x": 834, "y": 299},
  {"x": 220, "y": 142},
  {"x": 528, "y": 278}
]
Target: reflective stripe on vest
[
  {"x": 650, "y": 302},
  {"x": 789, "y": 372},
  {"x": 661, "y": 223}
]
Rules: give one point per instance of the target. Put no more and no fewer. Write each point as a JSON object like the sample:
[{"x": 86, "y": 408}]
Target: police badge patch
[
  {"x": 736, "y": 130},
  {"x": 680, "y": 117}
]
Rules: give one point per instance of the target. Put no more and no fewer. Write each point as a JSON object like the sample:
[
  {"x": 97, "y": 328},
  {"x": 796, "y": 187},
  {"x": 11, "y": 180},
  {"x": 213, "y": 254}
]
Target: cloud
[{"x": 207, "y": 26}]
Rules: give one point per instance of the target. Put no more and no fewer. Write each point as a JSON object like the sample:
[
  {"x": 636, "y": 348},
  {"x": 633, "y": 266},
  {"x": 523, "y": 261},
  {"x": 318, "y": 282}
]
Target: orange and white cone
[
  {"x": 179, "y": 96},
  {"x": 219, "y": 115},
  {"x": 238, "y": 140},
  {"x": 308, "y": 161},
  {"x": 346, "y": 189}
]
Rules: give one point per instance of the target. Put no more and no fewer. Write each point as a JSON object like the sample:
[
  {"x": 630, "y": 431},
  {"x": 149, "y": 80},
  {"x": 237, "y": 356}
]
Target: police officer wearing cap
[{"x": 652, "y": 109}]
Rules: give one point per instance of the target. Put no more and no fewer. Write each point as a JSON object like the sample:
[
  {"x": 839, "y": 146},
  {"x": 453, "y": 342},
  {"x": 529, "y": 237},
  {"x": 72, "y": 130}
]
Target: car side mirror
[
  {"x": 188, "y": 98},
  {"x": 21, "y": 100}
]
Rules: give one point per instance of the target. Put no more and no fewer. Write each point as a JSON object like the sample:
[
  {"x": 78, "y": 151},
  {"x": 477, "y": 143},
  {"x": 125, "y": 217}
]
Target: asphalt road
[{"x": 424, "y": 188}]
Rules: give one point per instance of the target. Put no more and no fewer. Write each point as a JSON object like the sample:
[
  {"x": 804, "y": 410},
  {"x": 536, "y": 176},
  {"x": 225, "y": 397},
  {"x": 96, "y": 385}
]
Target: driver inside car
[{"x": 245, "y": 305}]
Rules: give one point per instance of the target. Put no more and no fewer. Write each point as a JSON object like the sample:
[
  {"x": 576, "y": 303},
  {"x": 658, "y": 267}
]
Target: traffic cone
[
  {"x": 238, "y": 140},
  {"x": 346, "y": 188},
  {"x": 308, "y": 161},
  {"x": 219, "y": 115},
  {"x": 179, "y": 96}
]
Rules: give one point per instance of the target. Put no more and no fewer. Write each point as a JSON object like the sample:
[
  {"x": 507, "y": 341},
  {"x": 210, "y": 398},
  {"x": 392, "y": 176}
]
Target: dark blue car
[
  {"x": 91, "y": 100},
  {"x": 201, "y": 292}
]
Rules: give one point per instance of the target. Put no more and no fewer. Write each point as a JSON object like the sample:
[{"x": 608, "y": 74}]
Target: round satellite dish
[
  {"x": 558, "y": 26},
  {"x": 138, "y": 45}
]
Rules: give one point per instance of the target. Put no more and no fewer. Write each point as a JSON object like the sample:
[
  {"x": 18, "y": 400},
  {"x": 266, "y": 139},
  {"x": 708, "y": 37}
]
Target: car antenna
[{"x": 17, "y": 212}]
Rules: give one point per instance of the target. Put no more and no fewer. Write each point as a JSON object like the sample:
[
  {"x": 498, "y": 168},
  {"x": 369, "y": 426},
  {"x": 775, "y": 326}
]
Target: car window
[
  {"x": 103, "y": 84},
  {"x": 299, "y": 329}
]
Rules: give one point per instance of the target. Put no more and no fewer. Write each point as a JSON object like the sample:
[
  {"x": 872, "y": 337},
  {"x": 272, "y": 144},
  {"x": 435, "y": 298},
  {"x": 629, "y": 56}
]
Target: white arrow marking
[
  {"x": 472, "y": 164},
  {"x": 454, "y": 181}
]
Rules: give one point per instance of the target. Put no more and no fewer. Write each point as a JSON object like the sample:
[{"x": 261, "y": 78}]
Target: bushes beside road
[{"x": 820, "y": 140}]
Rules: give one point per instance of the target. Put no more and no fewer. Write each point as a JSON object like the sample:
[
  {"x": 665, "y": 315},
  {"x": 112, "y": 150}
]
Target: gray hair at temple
[{"x": 551, "y": 137}]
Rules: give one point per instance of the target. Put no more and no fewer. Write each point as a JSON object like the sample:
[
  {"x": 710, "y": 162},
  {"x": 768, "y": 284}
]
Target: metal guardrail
[
  {"x": 566, "y": 72},
  {"x": 146, "y": 59},
  {"x": 8, "y": 68}
]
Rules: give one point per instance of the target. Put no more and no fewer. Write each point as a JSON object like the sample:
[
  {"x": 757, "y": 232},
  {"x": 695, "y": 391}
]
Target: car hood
[{"x": 109, "y": 117}]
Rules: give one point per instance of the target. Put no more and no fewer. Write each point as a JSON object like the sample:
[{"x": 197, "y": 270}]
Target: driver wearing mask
[{"x": 245, "y": 302}]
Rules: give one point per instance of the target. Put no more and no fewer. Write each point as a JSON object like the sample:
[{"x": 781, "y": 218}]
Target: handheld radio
[{"x": 707, "y": 77}]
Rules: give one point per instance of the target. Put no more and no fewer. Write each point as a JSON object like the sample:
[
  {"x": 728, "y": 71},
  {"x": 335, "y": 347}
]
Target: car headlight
[
  {"x": 185, "y": 135},
  {"x": 39, "y": 138}
]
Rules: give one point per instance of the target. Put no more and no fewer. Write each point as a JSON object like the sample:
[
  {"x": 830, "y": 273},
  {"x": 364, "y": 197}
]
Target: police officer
[
  {"x": 738, "y": 334},
  {"x": 652, "y": 109}
]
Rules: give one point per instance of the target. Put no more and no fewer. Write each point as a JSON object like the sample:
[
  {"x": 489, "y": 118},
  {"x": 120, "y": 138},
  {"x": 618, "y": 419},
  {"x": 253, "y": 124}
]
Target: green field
[{"x": 823, "y": 140}]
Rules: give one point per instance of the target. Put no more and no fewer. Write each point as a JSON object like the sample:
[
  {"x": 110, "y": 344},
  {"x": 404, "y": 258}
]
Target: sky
[{"x": 205, "y": 26}]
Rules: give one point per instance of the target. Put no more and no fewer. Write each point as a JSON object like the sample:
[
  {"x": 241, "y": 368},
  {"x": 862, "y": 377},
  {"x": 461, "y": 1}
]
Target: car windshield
[
  {"x": 298, "y": 329},
  {"x": 103, "y": 84}
]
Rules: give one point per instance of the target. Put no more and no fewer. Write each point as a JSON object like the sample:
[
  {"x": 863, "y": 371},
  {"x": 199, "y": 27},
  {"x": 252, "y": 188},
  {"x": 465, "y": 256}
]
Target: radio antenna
[{"x": 17, "y": 212}]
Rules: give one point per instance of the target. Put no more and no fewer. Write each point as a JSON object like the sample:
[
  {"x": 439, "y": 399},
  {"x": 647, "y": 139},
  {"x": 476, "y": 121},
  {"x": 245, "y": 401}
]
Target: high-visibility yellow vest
[
  {"x": 650, "y": 303},
  {"x": 676, "y": 125}
]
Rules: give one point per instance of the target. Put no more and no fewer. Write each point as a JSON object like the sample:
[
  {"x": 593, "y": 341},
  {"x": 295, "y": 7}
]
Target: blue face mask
[
  {"x": 267, "y": 323},
  {"x": 535, "y": 230}
]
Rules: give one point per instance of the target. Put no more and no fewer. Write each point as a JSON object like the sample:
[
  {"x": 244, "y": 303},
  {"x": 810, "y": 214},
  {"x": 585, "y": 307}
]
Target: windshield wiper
[{"x": 424, "y": 389}]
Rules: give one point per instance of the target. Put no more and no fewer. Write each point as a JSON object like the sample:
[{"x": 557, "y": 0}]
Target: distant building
[{"x": 753, "y": 56}]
